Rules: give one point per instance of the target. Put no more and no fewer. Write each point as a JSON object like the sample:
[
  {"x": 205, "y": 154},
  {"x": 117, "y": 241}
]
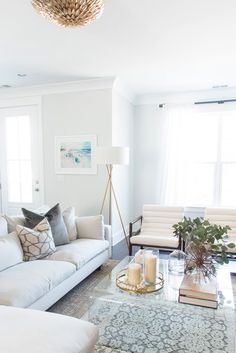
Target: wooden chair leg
[{"x": 183, "y": 246}]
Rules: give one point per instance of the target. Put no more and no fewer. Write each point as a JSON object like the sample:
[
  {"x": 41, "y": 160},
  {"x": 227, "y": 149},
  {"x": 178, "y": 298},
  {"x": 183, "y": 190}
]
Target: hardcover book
[
  {"x": 201, "y": 288},
  {"x": 200, "y": 302}
]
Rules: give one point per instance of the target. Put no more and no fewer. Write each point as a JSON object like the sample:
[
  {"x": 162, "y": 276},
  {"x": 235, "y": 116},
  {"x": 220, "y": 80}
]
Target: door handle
[{"x": 37, "y": 186}]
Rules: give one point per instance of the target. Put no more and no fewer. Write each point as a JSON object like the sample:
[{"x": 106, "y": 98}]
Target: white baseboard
[{"x": 118, "y": 236}]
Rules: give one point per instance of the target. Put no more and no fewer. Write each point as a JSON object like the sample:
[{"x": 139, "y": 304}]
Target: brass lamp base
[{"x": 111, "y": 192}]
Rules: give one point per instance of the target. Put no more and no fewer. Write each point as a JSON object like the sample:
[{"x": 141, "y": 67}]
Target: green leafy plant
[{"x": 204, "y": 240}]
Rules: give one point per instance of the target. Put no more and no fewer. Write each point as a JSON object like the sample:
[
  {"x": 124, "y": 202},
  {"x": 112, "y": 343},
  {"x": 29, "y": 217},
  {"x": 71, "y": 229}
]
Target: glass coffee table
[
  {"x": 107, "y": 289},
  {"x": 156, "y": 322}
]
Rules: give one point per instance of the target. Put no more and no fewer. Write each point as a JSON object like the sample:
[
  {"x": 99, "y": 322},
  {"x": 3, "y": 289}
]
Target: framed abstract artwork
[{"x": 75, "y": 154}]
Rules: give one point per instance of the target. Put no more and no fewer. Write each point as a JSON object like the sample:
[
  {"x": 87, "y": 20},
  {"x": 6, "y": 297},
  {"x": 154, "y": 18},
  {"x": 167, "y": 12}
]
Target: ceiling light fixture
[{"x": 69, "y": 13}]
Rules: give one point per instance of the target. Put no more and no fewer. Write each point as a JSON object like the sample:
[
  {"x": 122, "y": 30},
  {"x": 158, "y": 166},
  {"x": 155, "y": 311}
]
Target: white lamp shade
[{"x": 111, "y": 155}]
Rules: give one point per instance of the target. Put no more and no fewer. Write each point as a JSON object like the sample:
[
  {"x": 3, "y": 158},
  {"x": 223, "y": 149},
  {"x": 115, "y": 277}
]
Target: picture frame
[{"x": 75, "y": 154}]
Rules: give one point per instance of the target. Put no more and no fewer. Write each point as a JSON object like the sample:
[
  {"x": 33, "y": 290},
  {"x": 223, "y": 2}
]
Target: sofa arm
[{"x": 108, "y": 237}]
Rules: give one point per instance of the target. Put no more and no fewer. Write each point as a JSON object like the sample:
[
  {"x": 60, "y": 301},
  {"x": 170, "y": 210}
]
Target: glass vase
[{"x": 176, "y": 262}]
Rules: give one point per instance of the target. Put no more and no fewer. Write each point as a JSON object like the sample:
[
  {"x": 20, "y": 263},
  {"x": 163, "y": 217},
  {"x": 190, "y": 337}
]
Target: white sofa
[
  {"x": 34, "y": 331},
  {"x": 40, "y": 283}
]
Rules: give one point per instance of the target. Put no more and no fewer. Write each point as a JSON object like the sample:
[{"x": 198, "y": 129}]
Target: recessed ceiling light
[
  {"x": 220, "y": 86},
  {"x": 21, "y": 75},
  {"x": 5, "y": 86}
]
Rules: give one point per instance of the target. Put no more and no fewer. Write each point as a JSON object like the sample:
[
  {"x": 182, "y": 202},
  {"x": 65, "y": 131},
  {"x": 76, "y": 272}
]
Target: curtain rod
[{"x": 222, "y": 101}]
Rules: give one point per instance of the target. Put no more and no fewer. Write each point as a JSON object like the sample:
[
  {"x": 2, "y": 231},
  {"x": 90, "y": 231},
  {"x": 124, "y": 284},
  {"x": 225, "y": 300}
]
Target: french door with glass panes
[{"x": 20, "y": 159}]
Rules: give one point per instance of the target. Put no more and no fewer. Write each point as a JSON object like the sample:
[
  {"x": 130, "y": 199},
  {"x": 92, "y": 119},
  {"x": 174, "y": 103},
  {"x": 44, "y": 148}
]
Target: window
[
  {"x": 201, "y": 158},
  {"x": 18, "y": 158}
]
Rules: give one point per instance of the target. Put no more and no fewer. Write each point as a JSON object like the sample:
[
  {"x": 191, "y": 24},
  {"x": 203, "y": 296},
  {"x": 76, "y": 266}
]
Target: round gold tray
[{"x": 143, "y": 287}]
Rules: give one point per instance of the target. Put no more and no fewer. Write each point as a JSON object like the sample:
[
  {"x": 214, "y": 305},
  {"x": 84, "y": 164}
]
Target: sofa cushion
[
  {"x": 55, "y": 219},
  {"x": 3, "y": 227},
  {"x": 80, "y": 251},
  {"x": 25, "y": 283},
  {"x": 69, "y": 220},
  {"x": 38, "y": 242},
  {"x": 13, "y": 221},
  {"x": 33, "y": 331},
  {"x": 91, "y": 227},
  {"x": 10, "y": 251}
]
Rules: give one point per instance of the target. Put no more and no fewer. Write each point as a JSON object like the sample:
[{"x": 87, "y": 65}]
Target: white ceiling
[{"x": 153, "y": 45}]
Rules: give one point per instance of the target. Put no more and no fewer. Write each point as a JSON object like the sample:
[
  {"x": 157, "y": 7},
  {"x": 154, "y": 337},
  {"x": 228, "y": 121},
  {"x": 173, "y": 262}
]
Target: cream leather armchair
[
  {"x": 156, "y": 228},
  {"x": 223, "y": 217}
]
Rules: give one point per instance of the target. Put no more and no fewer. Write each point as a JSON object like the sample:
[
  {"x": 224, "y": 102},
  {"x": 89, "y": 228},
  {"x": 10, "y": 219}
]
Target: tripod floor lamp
[{"x": 110, "y": 156}]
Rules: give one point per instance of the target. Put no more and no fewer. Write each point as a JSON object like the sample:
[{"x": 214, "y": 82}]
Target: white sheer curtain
[
  {"x": 172, "y": 146},
  {"x": 197, "y": 155}
]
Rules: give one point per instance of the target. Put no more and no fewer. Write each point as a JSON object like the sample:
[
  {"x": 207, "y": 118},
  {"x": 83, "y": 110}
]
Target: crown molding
[
  {"x": 121, "y": 88},
  {"x": 63, "y": 87},
  {"x": 185, "y": 97},
  {"x": 10, "y": 102}
]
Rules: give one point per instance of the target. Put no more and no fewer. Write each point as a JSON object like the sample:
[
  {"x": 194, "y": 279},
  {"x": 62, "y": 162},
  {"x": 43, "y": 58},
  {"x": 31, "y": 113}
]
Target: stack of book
[{"x": 202, "y": 293}]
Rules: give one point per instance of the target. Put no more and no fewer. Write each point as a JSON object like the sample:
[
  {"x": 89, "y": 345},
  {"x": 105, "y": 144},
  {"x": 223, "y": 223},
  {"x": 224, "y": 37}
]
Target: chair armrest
[
  {"x": 108, "y": 237},
  {"x": 131, "y": 232}
]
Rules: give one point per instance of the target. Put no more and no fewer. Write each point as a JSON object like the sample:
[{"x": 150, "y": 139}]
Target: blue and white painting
[{"x": 74, "y": 154}]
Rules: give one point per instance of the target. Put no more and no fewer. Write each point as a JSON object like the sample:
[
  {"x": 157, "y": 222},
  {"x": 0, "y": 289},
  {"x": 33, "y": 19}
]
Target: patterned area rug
[
  {"x": 164, "y": 329},
  {"x": 77, "y": 304}
]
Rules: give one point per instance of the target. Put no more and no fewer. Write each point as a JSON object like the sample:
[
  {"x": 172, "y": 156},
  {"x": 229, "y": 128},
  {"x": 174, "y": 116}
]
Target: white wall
[
  {"x": 146, "y": 121},
  {"x": 107, "y": 114},
  {"x": 68, "y": 114},
  {"x": 122, "y": 135},
  {"x": 84, "y": 107}
]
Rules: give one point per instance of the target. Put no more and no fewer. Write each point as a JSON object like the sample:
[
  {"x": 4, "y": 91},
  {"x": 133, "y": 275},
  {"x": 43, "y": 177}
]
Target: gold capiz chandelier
[{"x": 69, "y": 13}]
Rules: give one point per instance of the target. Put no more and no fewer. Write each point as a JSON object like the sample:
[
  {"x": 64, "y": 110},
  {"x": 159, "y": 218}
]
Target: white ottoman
[{"x": 32, "y": 331}]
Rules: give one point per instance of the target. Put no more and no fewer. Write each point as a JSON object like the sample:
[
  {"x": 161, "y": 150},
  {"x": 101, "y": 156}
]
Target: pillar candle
[
  {"x": 150, "y": 263},
  {"x": 134, "y": 274}
]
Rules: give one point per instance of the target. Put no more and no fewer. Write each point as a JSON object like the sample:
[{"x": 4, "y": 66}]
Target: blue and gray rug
[{"x": 174, "y": 328}]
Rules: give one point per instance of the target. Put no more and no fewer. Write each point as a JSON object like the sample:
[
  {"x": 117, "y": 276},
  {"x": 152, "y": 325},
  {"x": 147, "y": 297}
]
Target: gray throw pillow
[{"x": 55, "y": 219}]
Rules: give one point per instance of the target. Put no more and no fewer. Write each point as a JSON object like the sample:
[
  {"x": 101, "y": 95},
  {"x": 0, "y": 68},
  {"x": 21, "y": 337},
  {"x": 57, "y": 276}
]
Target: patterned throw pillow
[{"x": 38, "y": 242}]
